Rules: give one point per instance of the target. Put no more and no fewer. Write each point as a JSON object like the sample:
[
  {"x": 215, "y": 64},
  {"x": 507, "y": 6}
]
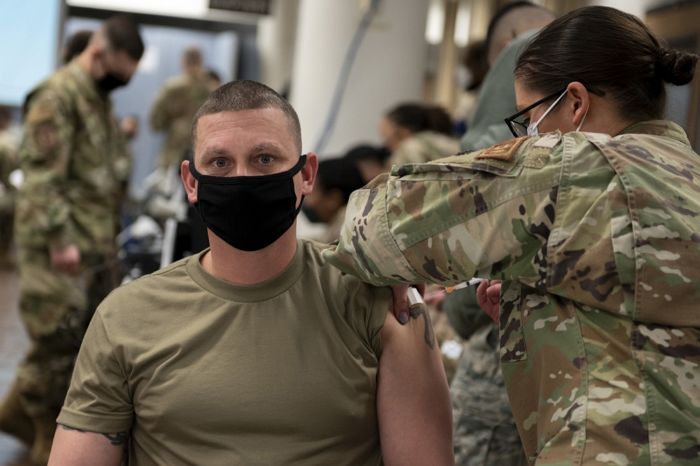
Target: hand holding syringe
[{"x": 434, "y": 298}]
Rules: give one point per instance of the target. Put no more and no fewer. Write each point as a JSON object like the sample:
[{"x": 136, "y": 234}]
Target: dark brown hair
[
  {"x": 122, "y": 33},
  {"x": 247, "y": 95},
  {"x": 417, "y": 117},
  {"x": 610, "y": 52},
  {"x": 76, "y": 44}
]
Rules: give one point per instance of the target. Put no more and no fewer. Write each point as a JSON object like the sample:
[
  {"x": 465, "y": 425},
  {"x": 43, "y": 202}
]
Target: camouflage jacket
[
  {"x": 424, "y": 147},
  {"x": 597, "y": 241},
  {"x": 173, "y": 111},
  {"x": 73, "y": 158}
]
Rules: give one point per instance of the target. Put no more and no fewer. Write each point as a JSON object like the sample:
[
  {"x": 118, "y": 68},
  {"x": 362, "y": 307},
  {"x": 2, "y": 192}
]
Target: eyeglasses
[{"x": 519, "y": 127}]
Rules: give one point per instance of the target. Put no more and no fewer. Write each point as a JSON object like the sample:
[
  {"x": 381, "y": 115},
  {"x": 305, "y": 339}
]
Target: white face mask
[{"x": 532, "y": 127}]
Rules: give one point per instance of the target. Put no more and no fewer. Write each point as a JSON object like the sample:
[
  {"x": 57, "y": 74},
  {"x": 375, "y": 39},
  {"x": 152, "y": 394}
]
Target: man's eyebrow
[
  {"x": 215, "y": 151},
  {"x": 265, "y": 147}
]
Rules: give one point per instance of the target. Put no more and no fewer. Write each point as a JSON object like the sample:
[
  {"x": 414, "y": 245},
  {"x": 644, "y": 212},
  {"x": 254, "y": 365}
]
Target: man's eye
[
  {"x": 265, "y": 159},
  {"x": 219, "y": 163}
]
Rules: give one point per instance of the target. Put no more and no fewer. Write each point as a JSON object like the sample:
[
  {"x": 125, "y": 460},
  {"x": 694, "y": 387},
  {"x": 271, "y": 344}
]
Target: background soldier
[
  {"x": 72, "y": 155},
  {"x": 176, "y": 105}
]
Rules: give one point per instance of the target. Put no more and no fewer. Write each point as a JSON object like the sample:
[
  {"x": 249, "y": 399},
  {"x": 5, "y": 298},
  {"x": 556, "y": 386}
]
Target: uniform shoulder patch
[{"x": 503, "y": 151}]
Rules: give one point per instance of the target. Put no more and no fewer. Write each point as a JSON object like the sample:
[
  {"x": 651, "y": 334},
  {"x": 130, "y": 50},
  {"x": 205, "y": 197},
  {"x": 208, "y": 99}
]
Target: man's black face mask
[
  {"x": 110, "y": 82},
  {"x": 248, "y": 212}
]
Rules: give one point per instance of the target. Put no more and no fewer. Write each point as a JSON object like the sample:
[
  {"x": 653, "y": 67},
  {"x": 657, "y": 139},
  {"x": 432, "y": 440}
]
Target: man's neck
[{"x": 249, "y": 268}]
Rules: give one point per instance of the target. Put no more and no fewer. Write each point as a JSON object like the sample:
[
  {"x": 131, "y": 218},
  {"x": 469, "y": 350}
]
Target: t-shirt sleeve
[
  {"x": 366, "y": 310},
  {"x": 98, "y": 399}
]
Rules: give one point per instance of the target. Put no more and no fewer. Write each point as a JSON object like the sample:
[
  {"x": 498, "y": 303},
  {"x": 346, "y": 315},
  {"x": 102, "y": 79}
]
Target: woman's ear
[{"x": 579, "y": 102}]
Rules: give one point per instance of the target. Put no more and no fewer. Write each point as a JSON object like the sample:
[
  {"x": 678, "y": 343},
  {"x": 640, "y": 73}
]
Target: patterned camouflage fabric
[
  {"x": 485, "y": 433},
  {"x": 596, "y": 241},
  {"x": 484, "y": 428},
  {"x": 173, "y": 111},
  {"x": 424, "y": 147},
  {"x": 73, "y": 156}
]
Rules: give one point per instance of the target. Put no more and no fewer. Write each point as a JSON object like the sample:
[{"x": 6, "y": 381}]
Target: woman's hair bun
[{"x": 676, "y": 67}]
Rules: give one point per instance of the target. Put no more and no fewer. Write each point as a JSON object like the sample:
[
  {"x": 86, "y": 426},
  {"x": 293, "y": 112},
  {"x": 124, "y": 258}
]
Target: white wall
[
  {"x": 276, "y": 38},
  {"x": 388, "y": 69}
]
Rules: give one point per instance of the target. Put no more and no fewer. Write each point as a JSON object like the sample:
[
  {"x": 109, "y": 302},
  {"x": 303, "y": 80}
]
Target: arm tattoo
[
  {"x": 429, "y": 335},
  {"x": 118, "y": 439}
]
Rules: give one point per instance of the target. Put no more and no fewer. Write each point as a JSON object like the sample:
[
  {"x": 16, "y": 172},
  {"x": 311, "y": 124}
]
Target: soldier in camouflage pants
[
  {"x": 73, "y": 158},
  {"x": 175, "y": 106}
]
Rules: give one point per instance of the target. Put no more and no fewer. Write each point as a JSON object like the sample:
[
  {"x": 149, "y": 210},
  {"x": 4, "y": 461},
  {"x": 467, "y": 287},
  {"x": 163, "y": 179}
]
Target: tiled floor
[{"x": 13, "y": 345}]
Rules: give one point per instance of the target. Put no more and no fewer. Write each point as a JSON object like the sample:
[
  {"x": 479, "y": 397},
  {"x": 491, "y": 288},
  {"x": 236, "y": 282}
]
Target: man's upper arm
[
  {"x": 413, "y": 402},
  {"x": 72, "y": 447}
]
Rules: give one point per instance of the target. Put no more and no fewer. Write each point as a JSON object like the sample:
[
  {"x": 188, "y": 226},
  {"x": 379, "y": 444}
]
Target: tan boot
[
  {"x": 44, "y": 429},
  {"x": 14, "y": 419}
]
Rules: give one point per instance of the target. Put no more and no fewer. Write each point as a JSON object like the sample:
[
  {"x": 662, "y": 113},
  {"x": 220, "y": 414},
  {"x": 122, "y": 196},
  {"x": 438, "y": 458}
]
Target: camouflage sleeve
[
  {"x": 44, "y": 157},
  {"x": 160, "y": 116},
  {"x": 450, "y": 220}
]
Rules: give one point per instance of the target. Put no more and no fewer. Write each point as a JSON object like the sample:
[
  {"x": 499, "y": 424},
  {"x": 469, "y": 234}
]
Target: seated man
[{"x": 254, "y": 351}]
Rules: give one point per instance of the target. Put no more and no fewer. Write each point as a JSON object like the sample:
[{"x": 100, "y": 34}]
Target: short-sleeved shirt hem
[{"x": 103, "y": 424}]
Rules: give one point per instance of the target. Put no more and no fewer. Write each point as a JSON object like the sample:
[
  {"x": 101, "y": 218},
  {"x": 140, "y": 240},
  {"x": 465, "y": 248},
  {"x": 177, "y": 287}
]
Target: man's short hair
[
  {"x": 247, "y": 95},
  {"x": 122, "y": 33}
]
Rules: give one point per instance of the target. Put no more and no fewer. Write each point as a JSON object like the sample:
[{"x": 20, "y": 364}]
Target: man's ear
[
  {"x": 579, "y": 102},
  {"x": 308, "y": 173},
  {"x": 189, "y": 181}
]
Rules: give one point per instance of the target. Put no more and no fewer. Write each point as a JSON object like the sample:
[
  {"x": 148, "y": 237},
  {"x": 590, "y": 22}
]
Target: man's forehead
[
  {"x": 267, "y": 120},
  {"x": 260, "y": 128}
]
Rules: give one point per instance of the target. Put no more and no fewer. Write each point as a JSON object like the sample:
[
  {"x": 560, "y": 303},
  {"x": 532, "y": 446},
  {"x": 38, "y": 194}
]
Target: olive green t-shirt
[{"x": 203, "y": 372}]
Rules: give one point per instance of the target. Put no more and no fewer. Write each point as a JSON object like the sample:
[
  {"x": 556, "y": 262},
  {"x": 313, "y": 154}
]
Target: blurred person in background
[
  {"x": 470, "y": 74},
  {"x": 336, "y": 179},
  {"x": 590, "y": 218},
  {"x": 75, "y": 164},
  {"x": 417, "y": 133},
  {"x": 370, "y": 160},
  {"x": 510, "y": 30},
  {"x": 175, "y": 106}
]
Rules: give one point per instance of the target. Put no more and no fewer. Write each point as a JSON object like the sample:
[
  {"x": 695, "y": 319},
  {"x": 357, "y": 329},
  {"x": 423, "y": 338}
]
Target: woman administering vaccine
[{"x": 591, "y": 217}]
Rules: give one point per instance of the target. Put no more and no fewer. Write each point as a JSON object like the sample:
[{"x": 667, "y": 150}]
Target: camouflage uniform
[
  {"x": 596, "y": 241},
  {"x": 8, "y": 163},
  {"x": 71, "y": 155},
  {"x": 484, "y": 428},
  {"x": 173, "y": 111},
  {"x": 423, "y": 147}
]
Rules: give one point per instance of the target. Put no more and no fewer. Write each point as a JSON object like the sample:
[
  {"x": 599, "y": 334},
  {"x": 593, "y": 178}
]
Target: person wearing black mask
[
  {"x": 254, "y": 351},
  {"x": 75, "y": 162}
]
